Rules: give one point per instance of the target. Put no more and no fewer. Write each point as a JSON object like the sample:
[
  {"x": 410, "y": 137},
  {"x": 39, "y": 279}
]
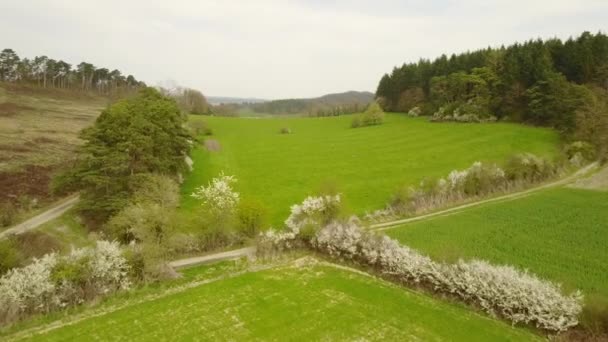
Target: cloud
[{"x": 276, "y": 49}]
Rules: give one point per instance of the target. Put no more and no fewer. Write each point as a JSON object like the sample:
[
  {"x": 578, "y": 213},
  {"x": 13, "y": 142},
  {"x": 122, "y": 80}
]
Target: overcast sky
[{"x": 278, "y": 49}]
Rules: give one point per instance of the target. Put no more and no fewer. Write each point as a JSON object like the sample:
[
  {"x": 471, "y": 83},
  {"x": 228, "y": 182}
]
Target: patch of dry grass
[{"x": 41, "y": 128}]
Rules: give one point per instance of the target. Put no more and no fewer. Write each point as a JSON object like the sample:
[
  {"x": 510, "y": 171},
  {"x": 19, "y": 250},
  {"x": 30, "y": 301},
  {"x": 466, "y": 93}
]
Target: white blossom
[{"x": 218, "y": 195}]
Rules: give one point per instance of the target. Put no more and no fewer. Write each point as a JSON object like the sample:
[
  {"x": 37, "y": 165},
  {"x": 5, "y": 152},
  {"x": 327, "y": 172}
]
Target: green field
[
  {"x": 367, "y": 165},
  {"x": 559, "y": 234},
  {"x": 291, "y": 303}
]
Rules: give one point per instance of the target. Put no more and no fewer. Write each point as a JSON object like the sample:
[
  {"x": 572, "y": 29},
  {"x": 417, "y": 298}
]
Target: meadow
[
  {"x": 294, "y": 302},
  {"x": 367, "y": 165},
  {"x": 558, "y": 234}
]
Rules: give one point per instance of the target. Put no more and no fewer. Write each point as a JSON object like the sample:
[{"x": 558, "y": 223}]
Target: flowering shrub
[
  {"x": 218, "y": 196},
  {"x": 313, "y": 211},
  {"x": 503, "y": 290},
  {"x": 414, "y": 112},
  {"x": 28, "y": 289},
  {"x": 580, "y": 152},
  {"x": 58, "y": 281},
  {"x": 527, "y": 167},
  {"x": 478, "y": 180}
]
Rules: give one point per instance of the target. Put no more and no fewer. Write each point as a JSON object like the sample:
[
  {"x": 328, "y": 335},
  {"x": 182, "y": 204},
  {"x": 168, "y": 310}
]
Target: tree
[
  {"x": 193, "y": 101},
  {"x": 135, "y": 136},
  {"x": 553, "y": 102},
  {"x": 592, "y": 122},
  {"x": 9, "y": 61}
]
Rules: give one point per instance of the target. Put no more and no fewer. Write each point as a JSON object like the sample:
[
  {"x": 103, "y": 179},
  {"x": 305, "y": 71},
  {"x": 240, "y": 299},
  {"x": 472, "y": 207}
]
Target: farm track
[
  {"x": 564, "y": 181},
  {"x": 41, "y": 218},
  {"x": 70, "y": 202}
]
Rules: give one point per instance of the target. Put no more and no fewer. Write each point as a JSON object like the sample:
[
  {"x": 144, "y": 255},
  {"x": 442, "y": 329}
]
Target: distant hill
[
  {"x": 330, "y": 104},
  {"x": 349, "y": 97},
  {"x": 216, "y": 100}
]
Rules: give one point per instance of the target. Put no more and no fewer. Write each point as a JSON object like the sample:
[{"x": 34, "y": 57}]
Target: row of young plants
[{"x": 502, "y": 291}]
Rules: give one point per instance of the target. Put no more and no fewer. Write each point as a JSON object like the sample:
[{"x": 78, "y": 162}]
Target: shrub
[
  {"x": 8, "y": 214},
  {"x": 54, "y": 282},
  {"x": 373, "y": 115},
  {"x": 503, "y": 290},
  {"x": 527, "y": 167},
  {"x": 580, "y": 151},
  {"x": 251, "y": 216},
  {"x": 218, "y": 196},
  {"x": 285, "y": 130},
  {"x": 477, "y": 181},
  {"x": 10, "y": 256},
  {"x": 414, "y": 112},
  {"x": 313, "y": 212}
]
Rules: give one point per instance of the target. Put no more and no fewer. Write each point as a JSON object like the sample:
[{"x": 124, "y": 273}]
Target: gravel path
[
  {"x": 42, "y": 218},
  {"x": 564, "y": 181}
]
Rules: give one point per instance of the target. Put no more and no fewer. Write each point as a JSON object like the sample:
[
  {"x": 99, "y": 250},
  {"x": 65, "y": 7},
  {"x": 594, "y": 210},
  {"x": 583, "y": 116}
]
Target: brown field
[{"x": 39, "y": 131}]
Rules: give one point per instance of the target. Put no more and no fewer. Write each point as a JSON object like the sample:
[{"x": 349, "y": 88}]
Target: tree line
[
  {"x": 47, "y": 72},
  {"x": 542, "y": 82}
]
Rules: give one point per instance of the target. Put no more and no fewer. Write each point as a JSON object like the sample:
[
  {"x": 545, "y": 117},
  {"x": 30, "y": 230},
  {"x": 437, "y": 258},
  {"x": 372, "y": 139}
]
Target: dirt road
[
  {"x": 564, "y": 181},
  {"x": 42, "y": 218}
]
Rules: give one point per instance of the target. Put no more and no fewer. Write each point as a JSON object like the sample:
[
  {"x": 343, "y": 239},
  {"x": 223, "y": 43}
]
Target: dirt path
[
  {"x": 564, "y": 181},
  {"x": 206, "y": 259},
  {"x": 41, "y": 218}
]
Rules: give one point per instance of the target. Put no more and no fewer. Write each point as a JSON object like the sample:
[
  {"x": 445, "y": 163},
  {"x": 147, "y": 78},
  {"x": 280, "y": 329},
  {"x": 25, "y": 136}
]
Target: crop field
[
  {"x": 559, "y": 234},
  {"x": 367, "y": 165},
  {"x": 309, "y": 301}
]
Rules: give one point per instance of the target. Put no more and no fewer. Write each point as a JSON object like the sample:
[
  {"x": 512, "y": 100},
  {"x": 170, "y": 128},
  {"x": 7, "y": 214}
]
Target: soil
[{"x": 33, "y": 181}]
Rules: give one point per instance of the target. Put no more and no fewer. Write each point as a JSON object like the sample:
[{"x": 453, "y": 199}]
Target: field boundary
[{"x": 564, "y": 181}]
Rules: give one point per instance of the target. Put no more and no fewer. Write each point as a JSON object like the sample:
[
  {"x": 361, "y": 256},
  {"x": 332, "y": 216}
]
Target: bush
[
  {"x": 527, "y": 167},
  {"x": 218, "y": 197},
  {"x": 579, "y": 152},
  {"x": 10, "y": 256},
  {"x": 503, "y": 290},
  {"x": 313, "y": 212},
  {"x": 414, "y": 112},
  {"x": 373, "y": 115},
  {"x": 54, "y": 282},
  {"x": 8, "y": 214},
  {"x": 252, "y": 217},
  {"x": 285, "y": 130},
  {"x": 149, "y": 215}
]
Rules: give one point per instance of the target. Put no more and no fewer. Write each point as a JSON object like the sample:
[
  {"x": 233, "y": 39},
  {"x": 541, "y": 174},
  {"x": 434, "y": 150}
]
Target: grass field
[
  {"x": 559, "y": 234},
  {"x": 289, "y": 303},
  {"x": 366, "y": 164}
]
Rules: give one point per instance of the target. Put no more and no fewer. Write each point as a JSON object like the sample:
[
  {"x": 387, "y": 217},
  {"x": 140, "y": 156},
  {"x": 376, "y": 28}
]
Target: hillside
[
  {"x": 326, "y": 105},
  {"x": 217, "y": 100},
  {"x": 39, "y": 132}
]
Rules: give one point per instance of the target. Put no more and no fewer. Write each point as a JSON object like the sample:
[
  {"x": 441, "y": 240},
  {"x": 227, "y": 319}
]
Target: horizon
[{"x": 286, "y": 50}]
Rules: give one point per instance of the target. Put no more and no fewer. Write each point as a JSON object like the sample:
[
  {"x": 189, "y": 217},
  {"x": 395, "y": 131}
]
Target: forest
[
  {"x": 540, "y": 82},
  {"x": 52, "y": 73}
]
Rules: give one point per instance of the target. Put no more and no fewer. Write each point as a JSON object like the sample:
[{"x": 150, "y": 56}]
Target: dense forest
[
  {"x": 551, "y": 83},
  {"x": 51, "y": 73}
]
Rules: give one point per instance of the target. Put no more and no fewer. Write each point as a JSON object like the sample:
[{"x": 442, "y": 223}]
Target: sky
[{"x": 279, "y": 49}]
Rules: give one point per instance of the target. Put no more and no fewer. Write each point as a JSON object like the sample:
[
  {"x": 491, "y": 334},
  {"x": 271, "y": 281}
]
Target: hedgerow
[
  {"x": 502, "y": 291},
  {"x": 54, "y": 281}
]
